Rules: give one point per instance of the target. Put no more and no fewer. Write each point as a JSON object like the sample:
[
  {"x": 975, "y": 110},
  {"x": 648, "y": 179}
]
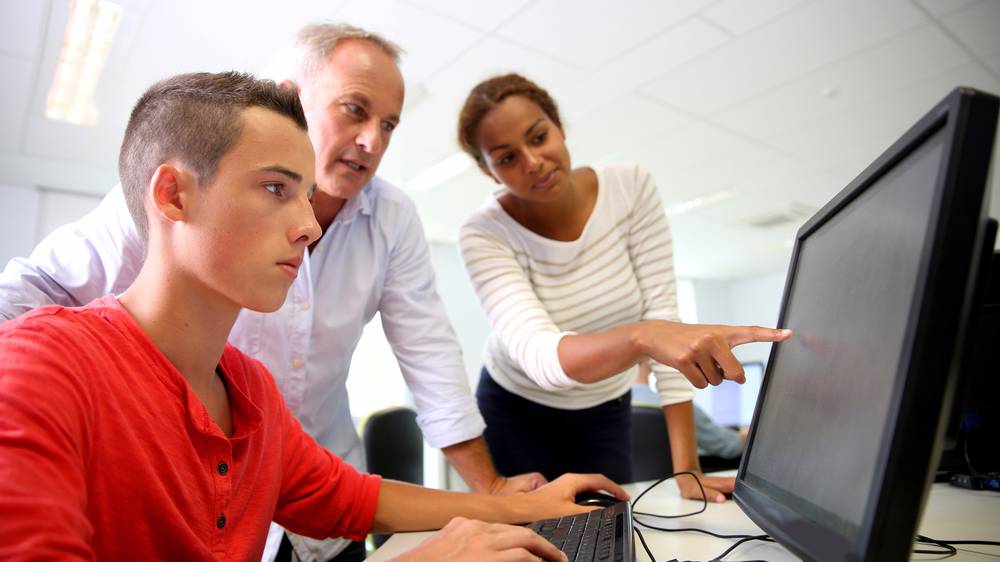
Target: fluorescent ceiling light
[
  {"x": 440, "y": 172},
  {"x": 90, "y": 29},
  {"x": 698, "y": 202}
]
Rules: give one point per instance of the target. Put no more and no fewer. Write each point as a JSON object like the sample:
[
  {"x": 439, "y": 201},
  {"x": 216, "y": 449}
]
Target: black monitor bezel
[{"x": 944, "y": 295}]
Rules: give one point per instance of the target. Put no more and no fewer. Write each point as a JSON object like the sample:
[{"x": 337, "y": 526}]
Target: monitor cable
[
  {"x": 704, "y": 505},
  {"x": 947, "y": 547}
]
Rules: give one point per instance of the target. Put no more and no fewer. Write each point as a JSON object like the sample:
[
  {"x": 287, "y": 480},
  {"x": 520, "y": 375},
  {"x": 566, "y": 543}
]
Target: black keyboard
[{"x": 596, "y": 536}]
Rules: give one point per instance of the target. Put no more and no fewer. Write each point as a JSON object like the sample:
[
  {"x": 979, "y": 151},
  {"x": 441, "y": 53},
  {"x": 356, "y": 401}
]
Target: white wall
[
  {"x": 462, "y": 305},
  {"x": 31, "y": 213},
  {"x": 56, "y": 208},
  {"x": 756, "y": 301},
  {"x": 374, "y": 380},
  {"x": 18, "y": 220},
  {"x": 712, "y": 301},
  {"x": 749, "y": 301}
]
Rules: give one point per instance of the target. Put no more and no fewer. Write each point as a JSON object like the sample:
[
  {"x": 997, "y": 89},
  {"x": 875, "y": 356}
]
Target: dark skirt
[{"x": 523, "y": 436}]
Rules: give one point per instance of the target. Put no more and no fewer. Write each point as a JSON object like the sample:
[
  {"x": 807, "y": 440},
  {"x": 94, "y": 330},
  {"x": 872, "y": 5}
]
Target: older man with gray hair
[{"x": 372, "y": 257}]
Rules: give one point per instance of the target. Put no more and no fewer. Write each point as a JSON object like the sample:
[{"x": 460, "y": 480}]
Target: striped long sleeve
[
  {"x": 535, "y": 290},
  {"x": 652, "y": 254},
  {"x": 514, "y": 310}
]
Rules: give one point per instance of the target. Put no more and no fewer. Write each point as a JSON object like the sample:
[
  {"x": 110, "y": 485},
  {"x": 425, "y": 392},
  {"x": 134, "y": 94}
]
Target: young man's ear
[
  {"x": 167, "y": 193},
  {"x": 289, "y": 85}
]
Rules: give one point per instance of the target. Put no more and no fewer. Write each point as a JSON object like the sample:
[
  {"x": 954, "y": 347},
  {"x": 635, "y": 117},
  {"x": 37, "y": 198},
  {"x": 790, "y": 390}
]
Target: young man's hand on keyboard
[
  {"x": 558, "y": 498},
  {"x": 407, "y": 507},
  {"x": 468, "y": 540}
]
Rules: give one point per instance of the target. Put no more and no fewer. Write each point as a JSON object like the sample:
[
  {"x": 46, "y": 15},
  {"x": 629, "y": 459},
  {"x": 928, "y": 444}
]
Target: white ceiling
[{"x": 782, "y": 102}]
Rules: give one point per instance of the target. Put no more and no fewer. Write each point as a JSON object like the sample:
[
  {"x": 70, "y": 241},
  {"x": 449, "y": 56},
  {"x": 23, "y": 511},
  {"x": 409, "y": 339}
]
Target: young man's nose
[{"x": 305, "y": 227}]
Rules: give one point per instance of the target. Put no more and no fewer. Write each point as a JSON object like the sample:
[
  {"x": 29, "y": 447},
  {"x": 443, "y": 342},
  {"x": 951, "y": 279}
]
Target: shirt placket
[
  {"x": 299, "y": 318},
  {"x": 220, "y": 466}
]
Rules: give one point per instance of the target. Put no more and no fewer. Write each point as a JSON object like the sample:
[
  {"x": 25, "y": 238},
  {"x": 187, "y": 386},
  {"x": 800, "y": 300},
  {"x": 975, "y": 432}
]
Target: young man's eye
[
  {"x": 275, "y": 188},
  {"x": 504, "y": 160},
  {"x": 388, "y": 126}
]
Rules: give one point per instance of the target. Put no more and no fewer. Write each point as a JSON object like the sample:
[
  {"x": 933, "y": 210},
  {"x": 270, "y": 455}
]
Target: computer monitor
[{"x": 881, "y": 282}]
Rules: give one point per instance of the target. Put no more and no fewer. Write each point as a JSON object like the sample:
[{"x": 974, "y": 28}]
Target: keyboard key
[{"x": 596, "y": 536}]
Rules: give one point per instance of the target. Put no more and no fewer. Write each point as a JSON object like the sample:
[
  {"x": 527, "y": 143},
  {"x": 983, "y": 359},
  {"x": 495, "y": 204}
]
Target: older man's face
[{"x": 352, "y": 106}]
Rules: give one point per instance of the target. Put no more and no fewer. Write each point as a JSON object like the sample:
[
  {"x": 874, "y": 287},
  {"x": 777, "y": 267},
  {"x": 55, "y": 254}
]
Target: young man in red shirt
[{"x": 130, "y": 430}]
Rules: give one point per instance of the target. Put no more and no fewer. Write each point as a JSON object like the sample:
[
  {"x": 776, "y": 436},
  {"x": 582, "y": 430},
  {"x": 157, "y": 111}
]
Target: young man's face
[
  {"x": 352, "y": 105},
  {"x": 245, "y": 232}
]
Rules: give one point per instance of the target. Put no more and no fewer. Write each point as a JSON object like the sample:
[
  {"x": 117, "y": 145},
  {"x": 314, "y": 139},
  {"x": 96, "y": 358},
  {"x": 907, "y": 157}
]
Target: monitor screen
[
  {"x": 849, "y": 309},
  {"x": 851, "y": 405}
]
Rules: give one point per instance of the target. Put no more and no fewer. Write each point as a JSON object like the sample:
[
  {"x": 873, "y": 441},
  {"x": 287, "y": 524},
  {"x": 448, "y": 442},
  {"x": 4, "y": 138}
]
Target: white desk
[{"x": 951, "y": 513}]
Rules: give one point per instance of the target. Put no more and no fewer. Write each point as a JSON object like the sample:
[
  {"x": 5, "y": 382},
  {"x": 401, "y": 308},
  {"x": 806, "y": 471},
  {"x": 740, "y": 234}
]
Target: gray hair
[{"x": 315, "y": 42}]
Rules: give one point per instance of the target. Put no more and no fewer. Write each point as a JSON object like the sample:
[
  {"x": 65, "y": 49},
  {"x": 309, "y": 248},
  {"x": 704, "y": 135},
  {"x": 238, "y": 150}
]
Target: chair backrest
[
  {"x": 394, "y": 448},
  {"x": 651, "y": 447},
  {"x": 394, "y": 445},
  {"x": 650, "y": 444}
]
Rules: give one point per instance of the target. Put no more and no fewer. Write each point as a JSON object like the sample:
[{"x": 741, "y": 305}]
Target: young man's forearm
[{"x": 407, "y": 507}]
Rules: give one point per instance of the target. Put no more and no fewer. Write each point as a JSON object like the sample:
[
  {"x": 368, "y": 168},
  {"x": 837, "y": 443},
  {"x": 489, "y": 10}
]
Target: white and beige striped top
[{"x": 536, "y": 290}]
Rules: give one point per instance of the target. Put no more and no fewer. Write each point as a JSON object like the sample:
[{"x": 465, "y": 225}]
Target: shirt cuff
[
  {"x": 451, "y": 423},
  {"x": 366, "y": 517}
]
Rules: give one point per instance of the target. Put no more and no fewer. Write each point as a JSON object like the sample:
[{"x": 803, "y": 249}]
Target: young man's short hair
[{"x": 193, "y": 118}]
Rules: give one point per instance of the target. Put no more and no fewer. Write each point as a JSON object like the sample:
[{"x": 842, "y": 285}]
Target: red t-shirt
[{"x": 106, "y": 453}]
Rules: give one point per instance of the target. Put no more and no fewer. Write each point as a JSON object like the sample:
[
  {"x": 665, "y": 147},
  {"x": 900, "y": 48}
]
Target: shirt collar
[
  {"x": 247, "y": 415},
  {"x": 360, "y": 203}
]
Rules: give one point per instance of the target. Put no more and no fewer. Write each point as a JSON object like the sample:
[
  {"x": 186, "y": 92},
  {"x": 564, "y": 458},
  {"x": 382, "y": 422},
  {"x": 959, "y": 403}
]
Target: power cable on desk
[
  {"x": 947, "y": 550},
  {"x": 704, "y": 506},
  {"x": 947, "y": 546},
  {"x": 765, "y": 538}
]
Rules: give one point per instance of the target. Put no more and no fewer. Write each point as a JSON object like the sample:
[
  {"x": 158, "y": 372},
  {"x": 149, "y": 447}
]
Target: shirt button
[
  {"x": 296, "y": 363},
  {"x": 223, "y": 467},
  {"x": 304, "y": 305},
  {"x": 221, "y": 521}
]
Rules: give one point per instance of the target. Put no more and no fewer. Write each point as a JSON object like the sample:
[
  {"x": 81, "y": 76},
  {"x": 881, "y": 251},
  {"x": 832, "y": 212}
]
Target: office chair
[
  {"x": 651, "y": 447},
  {"x": 394, "y": 448},
  {"x": 650, "y": 444}
]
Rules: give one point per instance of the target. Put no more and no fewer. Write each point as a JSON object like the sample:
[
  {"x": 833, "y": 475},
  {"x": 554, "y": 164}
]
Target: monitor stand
[{"x": 970, "y": 457}]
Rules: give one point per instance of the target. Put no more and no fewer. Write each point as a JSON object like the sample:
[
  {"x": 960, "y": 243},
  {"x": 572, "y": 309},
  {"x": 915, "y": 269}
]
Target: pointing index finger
[{"x": 739, "y": 335}]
